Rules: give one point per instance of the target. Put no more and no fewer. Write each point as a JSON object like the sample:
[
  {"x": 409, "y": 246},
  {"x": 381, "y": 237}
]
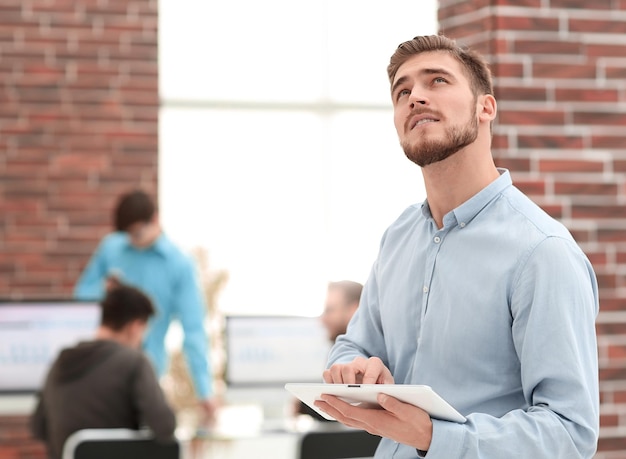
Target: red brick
[
  {"x": 561, "y": 70},
  {"x": 499, "y": 141},
  {"x": 580, "y": 235},
  {"x": 612, "y": 444},
  {"x": 612, "y": 304},
  {"x": 588, "y": 95},
  {"x": 568, "y": 142},
  {"x": 507, "y": 70},
  {"x": 520, "y": 93},
  {"x": 569, "y": 165},
  {"x": 608, "y": 142},
  {"x": 596, "y": 257},
  {"x": 540, "y": 47},
  {"x": 581, "y": 4},
  {"x": 605, "y": 50},
  {"x": 513, "y": 164},
  {"x": 525, "y": 23},
  {"x": 615, "y": 72},
  {"x": 606, "y": 211},
  {"x": 619, "y": 165},
  {"x": 555, "y": 210},
  {"x": 585, "y": 188},
  {"x": 531, "y": 118},
  {"x": 609, "y": 420},
  {"x": 455, "y": 8},
  {"x": 605, "y": 26},
  {"x": 608, "y": 235},
  {"x": 599, "y": 118},
  {"x": 471, "y": 27},
  {"x": 531, "y": 187}
]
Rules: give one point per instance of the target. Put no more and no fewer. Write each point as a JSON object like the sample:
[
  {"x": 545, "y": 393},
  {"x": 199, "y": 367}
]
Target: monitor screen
[
  {"x": 274, "y": 350},
  {"x": 32, "y": 333}
]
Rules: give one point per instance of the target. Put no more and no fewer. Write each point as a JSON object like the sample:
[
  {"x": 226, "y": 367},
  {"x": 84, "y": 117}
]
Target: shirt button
[
  {"x": 462, "y": 224},
  {"x": 437, "y": 239},
  {"x": 425, "y": 289}
]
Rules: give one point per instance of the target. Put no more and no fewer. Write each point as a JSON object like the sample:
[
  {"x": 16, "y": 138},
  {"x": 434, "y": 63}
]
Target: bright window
[{"x": 277, "y": 147}]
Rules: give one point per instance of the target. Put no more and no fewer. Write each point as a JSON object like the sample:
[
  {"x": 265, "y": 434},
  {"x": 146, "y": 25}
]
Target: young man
[
  {"x": 138, "y": 253},
  {"x": 107, "y": 382},
  {"x": 476, "y": 292},
  {"x": 342, "y": 300}
]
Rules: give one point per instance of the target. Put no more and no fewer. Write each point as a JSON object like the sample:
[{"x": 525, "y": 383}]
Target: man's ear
[
  {"x": 487, "y": 108},
  {"x": 134, "y": 332}
]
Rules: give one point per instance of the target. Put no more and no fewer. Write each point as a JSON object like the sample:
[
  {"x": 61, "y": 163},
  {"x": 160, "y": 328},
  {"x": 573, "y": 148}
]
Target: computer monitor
[
  {"x": 271, "y": 350},
  {"x": 33, "y": 332}
]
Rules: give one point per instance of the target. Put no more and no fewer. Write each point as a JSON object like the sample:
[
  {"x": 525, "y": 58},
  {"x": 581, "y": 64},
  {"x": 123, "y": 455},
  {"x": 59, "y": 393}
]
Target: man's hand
[
  {"x": 359, "y": 371},
  {"x": 111, "y": 282},
  {"x": 401, "y": 422},
  {"x": 208, "y": 412}
]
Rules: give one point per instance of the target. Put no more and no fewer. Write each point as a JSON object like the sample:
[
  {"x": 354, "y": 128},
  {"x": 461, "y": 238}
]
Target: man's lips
[{"x": 422, "y": 118}]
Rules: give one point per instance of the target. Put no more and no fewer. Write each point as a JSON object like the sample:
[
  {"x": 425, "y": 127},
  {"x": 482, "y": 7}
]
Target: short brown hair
[
  {"x": 125, "y": 304},
  {"x": 474, "y": 65},
  {"x": 351, "y": 290},
  {"x": 133, "y": 207}
]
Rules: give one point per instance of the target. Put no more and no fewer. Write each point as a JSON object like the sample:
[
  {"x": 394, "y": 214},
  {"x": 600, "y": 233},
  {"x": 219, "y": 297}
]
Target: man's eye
[
  {"x": 404, "y": 92},
  {"x": 440, "y": 80}
]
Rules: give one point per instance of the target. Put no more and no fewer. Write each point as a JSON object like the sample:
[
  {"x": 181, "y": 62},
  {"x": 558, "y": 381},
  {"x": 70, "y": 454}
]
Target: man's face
[
  {"x": 337, "y": 313},
  {"x": 143, "y": 234},
  {"x": 434, "y": 108}
]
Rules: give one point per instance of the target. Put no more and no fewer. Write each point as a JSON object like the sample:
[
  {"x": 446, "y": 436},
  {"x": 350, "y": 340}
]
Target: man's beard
[{"x": 431, "y": 151}]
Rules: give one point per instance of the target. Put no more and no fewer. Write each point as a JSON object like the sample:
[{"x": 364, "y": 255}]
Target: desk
[
  {"x": 274, "y": 445},
  {"x": 17, "y": 404},
  {"x": 278, "y": 439}
]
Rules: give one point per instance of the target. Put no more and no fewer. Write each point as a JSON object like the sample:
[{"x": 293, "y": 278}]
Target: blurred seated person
[
  {"x": 107, "y": 382},
  {"x": 342, "y": 301}
]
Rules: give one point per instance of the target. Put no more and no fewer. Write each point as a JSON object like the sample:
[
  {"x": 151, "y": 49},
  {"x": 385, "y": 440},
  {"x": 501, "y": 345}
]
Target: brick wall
[
  {"x": 78, "y": 126},
  {"x": 560, "y": 69}
]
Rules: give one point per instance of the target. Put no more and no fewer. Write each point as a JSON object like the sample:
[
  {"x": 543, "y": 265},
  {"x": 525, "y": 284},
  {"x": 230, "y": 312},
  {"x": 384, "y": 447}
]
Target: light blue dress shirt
[
  {"x": 496, "y": 312},
  {"x": 169, "y": 278}
]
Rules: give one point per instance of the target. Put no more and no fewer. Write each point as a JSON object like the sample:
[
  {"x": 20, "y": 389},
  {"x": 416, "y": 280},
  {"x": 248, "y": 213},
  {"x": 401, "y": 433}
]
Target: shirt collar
[
  {"x": 159, "y": 246},
  {"x": 464, "y": 214},
  {"x": 470, "y": 208}
]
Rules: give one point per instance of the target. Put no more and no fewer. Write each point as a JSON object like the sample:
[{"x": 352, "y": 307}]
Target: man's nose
[{"x": 417, "y": 98}]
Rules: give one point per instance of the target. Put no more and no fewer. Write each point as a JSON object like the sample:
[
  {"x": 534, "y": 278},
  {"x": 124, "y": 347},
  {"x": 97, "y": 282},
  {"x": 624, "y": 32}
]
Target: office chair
[
  {"x": 118, "y": 444},
  {"x": 338, "y": 444}
]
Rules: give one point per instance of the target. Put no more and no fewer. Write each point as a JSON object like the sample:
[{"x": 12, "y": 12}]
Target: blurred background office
[{"x": 270, "y": 143}]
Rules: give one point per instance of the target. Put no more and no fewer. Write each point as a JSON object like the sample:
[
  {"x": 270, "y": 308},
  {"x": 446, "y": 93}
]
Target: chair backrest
[
  {"x": 338, "y": 444},
  {"x": 118, "y": 444}
]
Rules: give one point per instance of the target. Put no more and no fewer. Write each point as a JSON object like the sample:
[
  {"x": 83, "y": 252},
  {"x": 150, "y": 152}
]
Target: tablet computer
[{"x": 364, "y": 395}]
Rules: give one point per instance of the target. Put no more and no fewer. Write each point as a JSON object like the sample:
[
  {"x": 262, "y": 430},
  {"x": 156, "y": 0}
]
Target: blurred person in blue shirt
[
  {"x": 139, "y": 254},
  {"x": 476, "y": 292}
]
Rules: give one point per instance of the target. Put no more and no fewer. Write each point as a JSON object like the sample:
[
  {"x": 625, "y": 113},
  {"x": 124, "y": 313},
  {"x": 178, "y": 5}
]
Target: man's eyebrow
[
  {"x": 426, "y": 71},
  {"x": 399, "y": 82}
]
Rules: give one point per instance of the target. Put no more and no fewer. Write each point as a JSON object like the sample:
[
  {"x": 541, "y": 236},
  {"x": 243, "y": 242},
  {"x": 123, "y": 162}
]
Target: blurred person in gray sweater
[{"x": 107, "y": 382}]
